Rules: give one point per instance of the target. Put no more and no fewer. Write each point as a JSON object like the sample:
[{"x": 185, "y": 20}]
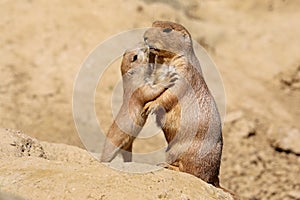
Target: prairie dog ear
[{"x": 186, "y": 37}]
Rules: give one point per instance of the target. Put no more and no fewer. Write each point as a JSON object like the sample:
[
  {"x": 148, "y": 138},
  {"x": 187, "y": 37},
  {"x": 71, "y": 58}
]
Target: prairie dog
[
  {"x": 172, "y": 37},
  {"x": 186, "y": 112},
  {"x": 142, "y": 82}
]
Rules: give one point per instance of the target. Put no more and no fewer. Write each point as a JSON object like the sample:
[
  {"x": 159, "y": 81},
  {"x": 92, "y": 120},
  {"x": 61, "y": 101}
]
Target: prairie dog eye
[
  {"x": 134, "y": 58},
  {"x": 167, "y": 30},
  {"x": 130, "y": 72}
]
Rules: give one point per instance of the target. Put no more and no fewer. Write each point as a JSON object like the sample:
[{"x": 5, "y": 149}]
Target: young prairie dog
[
  {"x": 142, "y": 82},
  {"x": 186, "y": 112}
]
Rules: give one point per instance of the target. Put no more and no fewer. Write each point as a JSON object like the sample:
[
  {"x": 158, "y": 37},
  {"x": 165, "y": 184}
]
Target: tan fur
[
  {"x": 142, "y": 82},
  {"x": 178, "y": 40},
  {"x": 187, "y": 111}
]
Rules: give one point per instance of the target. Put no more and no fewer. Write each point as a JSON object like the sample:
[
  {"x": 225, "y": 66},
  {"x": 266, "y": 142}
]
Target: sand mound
[{"x": 40, "y": 170}]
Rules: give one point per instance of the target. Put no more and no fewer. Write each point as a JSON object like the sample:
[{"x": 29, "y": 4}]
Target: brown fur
[
  {"x": 187, "y": 111},
  {"x": 178, "y": 40},
  {"x": 142, "y": 82}
]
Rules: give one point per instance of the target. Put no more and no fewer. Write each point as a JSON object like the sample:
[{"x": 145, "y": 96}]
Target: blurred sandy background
[{"x": 255, "y": 45}]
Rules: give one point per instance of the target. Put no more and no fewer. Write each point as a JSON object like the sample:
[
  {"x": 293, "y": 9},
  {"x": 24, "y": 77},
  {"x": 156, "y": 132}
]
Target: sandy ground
[
  {"x": 42, "y": 170},
  {"x": 255, "y": 45}
]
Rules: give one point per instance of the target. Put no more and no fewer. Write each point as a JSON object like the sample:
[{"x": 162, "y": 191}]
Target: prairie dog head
[
  {"x": 133, "y": 68},
  {"x": 169, "y": 36},
  {"x": 133, "y": 59}
]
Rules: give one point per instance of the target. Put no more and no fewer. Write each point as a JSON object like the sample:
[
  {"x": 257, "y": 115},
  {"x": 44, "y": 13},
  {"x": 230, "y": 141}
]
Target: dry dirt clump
[
  {"x": 285, "y": 139},
  {"x": 15, "y": 143},
  {"x": 290, "y": 80}
]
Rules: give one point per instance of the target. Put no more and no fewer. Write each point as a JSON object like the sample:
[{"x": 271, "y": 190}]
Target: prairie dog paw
[
  {"x": 166, "y": 76},
  {"x": 150, "y": 108}
]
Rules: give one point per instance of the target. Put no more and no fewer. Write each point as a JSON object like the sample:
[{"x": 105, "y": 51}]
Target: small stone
[
  {"x": 245, "y": 128},
  {"x": 294, "y": 194},
  {"x": 287, "y": 140},
  {"x": 286, "y": 80},
  {"x": 163, "y": 195}
]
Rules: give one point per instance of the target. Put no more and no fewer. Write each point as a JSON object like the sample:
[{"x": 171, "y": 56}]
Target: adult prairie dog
[{"x": 186, "y": 112}]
